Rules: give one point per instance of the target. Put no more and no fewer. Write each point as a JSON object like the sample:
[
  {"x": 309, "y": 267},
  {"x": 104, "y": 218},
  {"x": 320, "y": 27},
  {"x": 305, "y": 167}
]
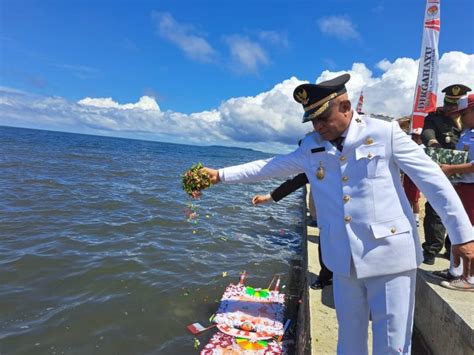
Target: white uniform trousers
[{"x": 389, "y": 299}]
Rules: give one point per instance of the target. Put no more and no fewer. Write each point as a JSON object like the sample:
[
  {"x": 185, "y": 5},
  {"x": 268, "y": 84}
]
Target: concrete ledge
[{"x": 444, "y": 318}]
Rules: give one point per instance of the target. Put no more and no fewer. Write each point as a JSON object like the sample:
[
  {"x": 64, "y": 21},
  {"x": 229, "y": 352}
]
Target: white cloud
[
  {"x": 456, "y": 68},
  {"x": 273, "y": 37},
  {"x": 392, "y": 92},
  {"x": 10, "y": 90},
  {"x": 184, "y": 36},
  {"x": 270, "y": 116},
  {"x": 389, "y": 94},
  {"x": 145, "y": 103},
  {"x": 340, "y": 27},
  {"x": 268, "y": 121},
  {"x": 384, "y": 64},
  {"x": 246, "y": 55}
]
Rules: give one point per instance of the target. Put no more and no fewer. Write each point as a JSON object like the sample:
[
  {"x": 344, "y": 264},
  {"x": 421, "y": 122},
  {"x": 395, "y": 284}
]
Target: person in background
[
  {"x": 287, "y": 188},
  {"x": 464, "y": 186},
  {"x": 368, "y": 234},
  {"x": 441, "y": 130},
  {"x": 412, "y": 192},
  {"x": 325, "y": 275}
]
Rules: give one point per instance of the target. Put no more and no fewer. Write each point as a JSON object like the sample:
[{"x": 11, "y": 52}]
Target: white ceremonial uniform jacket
[{"x": 362, "y": 209}]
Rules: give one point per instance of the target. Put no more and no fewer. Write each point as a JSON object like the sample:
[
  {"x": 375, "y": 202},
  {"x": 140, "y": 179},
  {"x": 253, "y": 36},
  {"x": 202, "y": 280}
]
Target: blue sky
[{"x": 195, "y": 56}]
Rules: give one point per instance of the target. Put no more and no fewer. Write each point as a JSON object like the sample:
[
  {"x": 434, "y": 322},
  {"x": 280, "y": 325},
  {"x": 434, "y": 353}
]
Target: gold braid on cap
[
  {"x": 452, "y": 99},
  {"x": 319, "y": 111},
  {"x": 322, "y": 101}
]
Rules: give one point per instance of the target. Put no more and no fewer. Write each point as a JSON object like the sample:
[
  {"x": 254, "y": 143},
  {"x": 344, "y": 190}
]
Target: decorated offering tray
[
  {"x": 249, "y": 321},
  {"x": 244, "y": 293},
  {"x": 250, "y": 313},
  {"x": 221, "y": 344}
]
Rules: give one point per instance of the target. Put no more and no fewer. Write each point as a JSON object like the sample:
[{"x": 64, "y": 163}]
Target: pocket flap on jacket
[
  {"x": 389, "y": 228},
  {"x": 370, "y": 151}
]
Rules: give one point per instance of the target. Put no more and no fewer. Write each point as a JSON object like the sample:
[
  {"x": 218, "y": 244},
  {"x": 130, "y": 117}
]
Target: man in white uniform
[{"x": 368, "y": 234}]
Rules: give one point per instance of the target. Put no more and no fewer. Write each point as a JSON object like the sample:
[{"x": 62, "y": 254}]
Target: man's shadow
[{"x": 327, "y": 294}]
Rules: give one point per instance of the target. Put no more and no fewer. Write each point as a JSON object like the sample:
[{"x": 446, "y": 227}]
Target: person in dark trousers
[
  {"x": 442, "y": 129},
  {"x": 288, "y": 187},
  {"x": 464, "y": 185}
]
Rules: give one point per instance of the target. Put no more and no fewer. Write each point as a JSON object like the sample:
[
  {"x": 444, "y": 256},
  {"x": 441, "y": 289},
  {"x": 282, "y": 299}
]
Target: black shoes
[
  {"x": 319, "y": 283},
  {"x": 444, "y": 275},
  {"x": 429, "y": 259}
]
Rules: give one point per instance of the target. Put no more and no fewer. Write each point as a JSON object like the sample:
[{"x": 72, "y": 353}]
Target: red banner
[{"x": 427, "y": 81}]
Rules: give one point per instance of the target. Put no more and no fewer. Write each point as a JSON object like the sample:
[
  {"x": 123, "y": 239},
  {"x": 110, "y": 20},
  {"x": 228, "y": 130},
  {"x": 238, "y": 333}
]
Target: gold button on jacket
[{"x": 347, "y": 219}]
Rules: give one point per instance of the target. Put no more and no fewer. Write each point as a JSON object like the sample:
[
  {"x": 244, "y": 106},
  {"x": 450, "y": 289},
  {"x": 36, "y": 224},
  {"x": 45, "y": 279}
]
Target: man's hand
[
  {"x": 213, "y": 175},
  {"x": 433, "y": 143},
  {"x": 466, "y": 252},
  {"x": 258, "y": 199}
]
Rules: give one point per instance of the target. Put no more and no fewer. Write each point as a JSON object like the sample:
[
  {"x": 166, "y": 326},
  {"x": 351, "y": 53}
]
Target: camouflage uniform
[{"x": 440, "y": 129}]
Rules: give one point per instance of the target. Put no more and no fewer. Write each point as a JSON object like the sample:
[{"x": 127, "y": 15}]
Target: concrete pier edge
[{"x": 444, "y": 319}]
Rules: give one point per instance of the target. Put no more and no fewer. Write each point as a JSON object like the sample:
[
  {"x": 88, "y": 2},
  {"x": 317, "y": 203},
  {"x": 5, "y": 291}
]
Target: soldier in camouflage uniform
[{"x": 442, "y": 129}]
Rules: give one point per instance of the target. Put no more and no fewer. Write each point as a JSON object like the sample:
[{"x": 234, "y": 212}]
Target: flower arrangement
[{"x": 195, "y": 180}]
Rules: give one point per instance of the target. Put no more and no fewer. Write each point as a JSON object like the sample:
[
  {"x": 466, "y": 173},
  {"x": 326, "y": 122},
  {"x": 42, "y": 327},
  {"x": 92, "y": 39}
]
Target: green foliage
[{"x": 195, "y": 180}]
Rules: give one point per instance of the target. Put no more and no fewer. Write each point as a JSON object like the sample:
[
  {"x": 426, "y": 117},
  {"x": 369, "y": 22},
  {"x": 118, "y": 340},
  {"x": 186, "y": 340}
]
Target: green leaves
[{"x": 194, "y": 181}]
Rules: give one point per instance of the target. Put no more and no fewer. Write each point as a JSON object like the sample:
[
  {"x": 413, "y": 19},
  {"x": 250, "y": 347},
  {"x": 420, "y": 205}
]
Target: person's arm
[
  {"x": 457, "y": 169},
  {"x": 428, "y": 135},
  {"x": 432, "y": 182},
  {"x": 259, "y": 199},
  {"x": 278, "y": 166},
  {"x": 288, "y": 187},
  {"x": 283, "y": 190}
]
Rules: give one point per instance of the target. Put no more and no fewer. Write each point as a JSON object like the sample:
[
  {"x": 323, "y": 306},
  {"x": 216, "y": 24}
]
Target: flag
[
  {"x": 197, "y": 328},
  {"x": 360, "y": 102},
  {"x": 427, "y": 81}
]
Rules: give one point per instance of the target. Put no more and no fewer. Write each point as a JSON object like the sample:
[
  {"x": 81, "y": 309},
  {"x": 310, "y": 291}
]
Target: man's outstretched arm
[{"x": 278, "y": 166}]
